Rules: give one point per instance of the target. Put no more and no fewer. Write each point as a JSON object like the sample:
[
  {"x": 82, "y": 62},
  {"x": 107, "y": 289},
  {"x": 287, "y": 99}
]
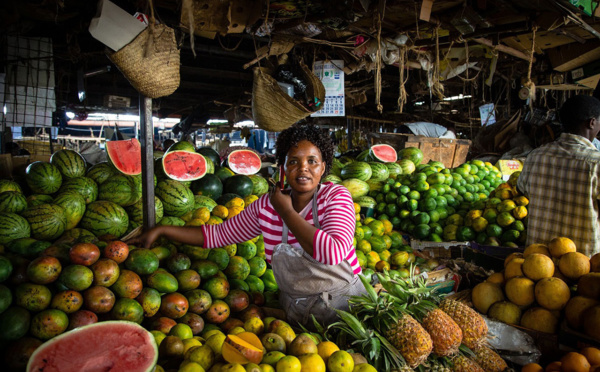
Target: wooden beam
[
  {"x": 147, "y": 142},
  {"x": 503, "y": 48}
]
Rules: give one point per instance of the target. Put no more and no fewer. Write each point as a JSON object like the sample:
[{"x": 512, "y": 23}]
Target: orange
[
  {"x": 220, "y": 211},
  {"x": 311, "y": 363},
  {"x": 561, "y": 245},
  {"x": 521, "y": 200},
  {"x": 574, "y": 362},
  {"x": 201, "y": 213},
  {"x": 520, "y": 291},
  {"x": 356, "y": 208},
  {"x": 288, "y": 364},
  {"x": 340, "y": 361},
  {"x": 326, "y": 348},
  {"x": 595, "y": 263},
  {"x": 552, "y": 293},
  {"x": 553, "y": 367},
  {"x": 537, "y": 266},
  {"x": 574, "y": 265},
  {"x": 512, "y": 256},
  {"x": 519, "y": 212},
  {"x": 496, "y": 278},
  {"x": 532, "y": 367},
  {"x": 514, "y": 268},
  {"x": 536, "y": 248},
  {"x": 591, "y": 354}
]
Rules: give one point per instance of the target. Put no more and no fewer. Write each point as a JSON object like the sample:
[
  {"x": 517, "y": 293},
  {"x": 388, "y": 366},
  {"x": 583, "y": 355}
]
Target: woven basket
[
  {"x": 151, "y": 61},
  {"x": 273, "y": 109}
]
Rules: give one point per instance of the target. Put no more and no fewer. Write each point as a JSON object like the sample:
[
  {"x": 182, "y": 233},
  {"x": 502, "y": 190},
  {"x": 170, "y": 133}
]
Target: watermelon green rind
[
  {"x": 136, "y": 211},
  {"x": 125, "y": 156},
  {"x": 104, "y": 343},
  {"x": 239, "y": 184},
  {"x": 261, "y": 185},
  {"x": 8, "y": 185},
  {"x": 85, "y": 186},
  {"x": 411, "y": 153},
  {"x": 101, "y": 172},
  {"x": 70, "y": 163},
  {"x": 223, "y": 173},
  {"x": 73, "y": 205},
  {"x": 379, "y": 172},
  {"x": 331, "y": 178},
  {"x": 37, "y": 199},
  {"x": 184, "y": 165},
  {"x": 105, "y": 218},
  {"x": 43, "y": 177},
  {"x": 210, "y": 185},
  {"x": 204, "y": 201},
  {"x": 244, "y": 162},
  {"x": 47, "y": 221},
  {"x": 394, "y": 169},
  {"x": 177, "y": 199},
  {"x": 171, "y": 221},
  {"x": 358, "y": 169},
  {"x": 356, "y": 187},
  {"x": 12, "y": 227},
  {"x": 408, "y": 167},
  {"x": 336, "y": 167},
  {"x": 121, "y": 189},
  {"x": 12, "y": 202},
  {"x": 181, "y": 146},
  {"x": 227, "y": 197},
  {"x": 383, "y": 153},
  {"x": 210, "y": 153}
]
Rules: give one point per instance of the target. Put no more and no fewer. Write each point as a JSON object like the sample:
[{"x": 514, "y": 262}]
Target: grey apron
[{"x": 308, "y": 287}]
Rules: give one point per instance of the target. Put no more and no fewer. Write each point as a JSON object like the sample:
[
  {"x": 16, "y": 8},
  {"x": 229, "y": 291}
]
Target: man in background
[
  {"x": 562, "y": 180},
  {"x": 423, "y": 128}
]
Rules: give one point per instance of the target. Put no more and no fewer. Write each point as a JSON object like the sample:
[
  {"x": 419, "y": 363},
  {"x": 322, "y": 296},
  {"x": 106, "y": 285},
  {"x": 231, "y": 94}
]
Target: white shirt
[{"x": 422, "y": 128}]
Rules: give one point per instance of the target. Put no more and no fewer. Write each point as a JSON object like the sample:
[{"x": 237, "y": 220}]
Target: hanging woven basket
[
  {"x": 151, "y": 61},
  {"x": 273, "y": 109}
]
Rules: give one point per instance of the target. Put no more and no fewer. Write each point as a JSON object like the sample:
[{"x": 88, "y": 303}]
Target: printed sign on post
[
  {"x": 487, "y": 114},
  {"x": 332, "y": 77}
]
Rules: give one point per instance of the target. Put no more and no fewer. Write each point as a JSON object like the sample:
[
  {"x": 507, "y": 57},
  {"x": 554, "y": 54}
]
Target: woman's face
[{"x": 304, "y": 167}]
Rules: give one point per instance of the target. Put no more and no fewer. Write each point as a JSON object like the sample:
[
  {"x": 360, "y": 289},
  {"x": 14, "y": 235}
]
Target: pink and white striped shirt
[{"x": 332, "y": 243}]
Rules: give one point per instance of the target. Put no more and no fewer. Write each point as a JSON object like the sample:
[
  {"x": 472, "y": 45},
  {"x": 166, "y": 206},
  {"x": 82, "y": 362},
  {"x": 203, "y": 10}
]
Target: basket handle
[{"x": 151, "y": 22}]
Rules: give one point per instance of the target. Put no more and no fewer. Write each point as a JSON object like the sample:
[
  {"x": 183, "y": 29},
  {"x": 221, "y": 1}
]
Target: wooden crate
[{"x": 450, "y": 152}]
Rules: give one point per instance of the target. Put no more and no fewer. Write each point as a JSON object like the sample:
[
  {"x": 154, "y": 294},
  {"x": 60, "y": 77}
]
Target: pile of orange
[{"x": 586, "y": 360}]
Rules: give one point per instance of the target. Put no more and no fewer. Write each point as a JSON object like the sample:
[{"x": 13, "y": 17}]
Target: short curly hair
[{"x": 299, "y": 132}]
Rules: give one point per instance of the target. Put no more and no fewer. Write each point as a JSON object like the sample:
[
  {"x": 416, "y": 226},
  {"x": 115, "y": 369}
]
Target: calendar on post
[{"x": 332, "y": 77}]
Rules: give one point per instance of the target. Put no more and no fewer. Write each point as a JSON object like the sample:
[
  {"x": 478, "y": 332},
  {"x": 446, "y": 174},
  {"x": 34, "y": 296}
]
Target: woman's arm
[{"x": 191, "y": 235}]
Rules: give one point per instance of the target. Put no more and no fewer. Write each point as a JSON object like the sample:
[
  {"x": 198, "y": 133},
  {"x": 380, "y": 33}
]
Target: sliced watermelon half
[
  {"x": 384, "y": 153},
  {"x": 245, "y": 162},
  {"x": 184, "y": 165},
  {"x": 125, "y": 156},
  {"x": 104, "y": 346}
]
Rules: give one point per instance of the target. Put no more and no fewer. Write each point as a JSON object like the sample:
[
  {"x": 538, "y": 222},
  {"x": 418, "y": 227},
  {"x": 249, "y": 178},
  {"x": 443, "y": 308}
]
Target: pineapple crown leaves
[{"x": 374, "y": 346}]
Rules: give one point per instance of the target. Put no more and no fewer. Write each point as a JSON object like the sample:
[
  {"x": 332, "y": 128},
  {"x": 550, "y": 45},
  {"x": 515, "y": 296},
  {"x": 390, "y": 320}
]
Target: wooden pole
[
  {"x": 503, "y": 48},
  {"x": 147, "y": 142}
]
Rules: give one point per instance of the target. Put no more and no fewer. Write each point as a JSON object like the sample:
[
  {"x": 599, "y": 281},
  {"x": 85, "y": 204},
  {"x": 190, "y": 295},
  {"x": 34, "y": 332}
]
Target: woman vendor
[{"x": 308, "y": 230}]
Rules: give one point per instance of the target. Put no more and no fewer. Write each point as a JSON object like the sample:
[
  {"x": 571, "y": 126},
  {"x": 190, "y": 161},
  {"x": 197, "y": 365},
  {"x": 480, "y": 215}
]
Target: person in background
[
  {"x": 258, "y": 140},
  {"x": 422, "y": 128},
  {"x": 307, "y": 227},
  {"x": 562, "y": 180}
]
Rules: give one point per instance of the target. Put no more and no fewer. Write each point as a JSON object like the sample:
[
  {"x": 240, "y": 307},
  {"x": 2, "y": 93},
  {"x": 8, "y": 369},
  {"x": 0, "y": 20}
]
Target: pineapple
[
  {"x": 473, "y": 326},
  {"x": 464, "y": 364},
  {"x": 488, "y": 359},
  {"x": 445, "y": 333}
]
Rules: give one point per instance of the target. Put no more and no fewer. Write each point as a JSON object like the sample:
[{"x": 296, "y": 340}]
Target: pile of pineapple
[{"x": 408, "y": 326}]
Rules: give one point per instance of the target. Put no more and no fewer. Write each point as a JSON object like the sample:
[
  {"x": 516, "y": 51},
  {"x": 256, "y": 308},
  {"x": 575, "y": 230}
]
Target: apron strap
[{"x": 285, "y": 230}]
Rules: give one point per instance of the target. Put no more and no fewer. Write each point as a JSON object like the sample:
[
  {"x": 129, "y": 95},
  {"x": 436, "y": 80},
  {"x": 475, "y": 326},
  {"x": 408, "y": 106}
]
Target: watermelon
[
  {"x": 170, "y": 221},
  {"x": 244, "y": 162},
  {"x": 331, "y": 178},
  {"x": 345, "y": 160},
  {"x": 70, "y": 163},
  {"x": 181, "y": 146},
  {"x": 223, "y": 173},
  {"x": 121, "y": 189},
  {"x": 379, "y": 172},
  {"x": 125, "y": 156},
  {"x": 159, "y": 171},
  {"x": 12, "y": 202},
  {"x": 177, "y": 199},
  {"x": 8, "y": 185},
  {"x": 210, "y": 165},
  {"x": 356, "y": 187},
  {"x": 358, "y": 169},
  {"x": 411, "y": 153},
  {"x": 74, "y": 206},
  {"x": 102, "y": 346},
  {"x": 261, "y": 186},
  {"x": 184, "y": 165},
  {"x": 47, "y": 221},
  {"x": 37, "y": 199},
  {"x": 365, "y": 156},
  {"x": 82, "y": 185},
  {"x": 383, "y": 153},
  {"x": 210, "y": 153},
  {"x": 77, "y": 235},
  {"x": 13, "y": 226},
  {"x": 394, "y": 169},
  {"x": 204, "y": 201},
  {"x": 375, "y": 185},
  {"x": 136, "y": 211},
  {"x": 336, "y": 167},
  {"x": 101, "y": 172},
  {"x": 209, "y": 185},
  {"x": 227, "y": 197},
  {"x": 239, "y": 184},
  {"x": 105, "y": 218},
  {"x": 367, "y": 205},
  {"x": 408, "y": 167},
  {"x": 43, "y": 177},
  {"x": 27, "y": 247}
]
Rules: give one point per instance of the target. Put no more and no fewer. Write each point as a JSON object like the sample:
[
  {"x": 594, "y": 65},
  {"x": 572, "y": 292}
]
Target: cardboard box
[
  {"x": 450, "y": 152},
  {"x": 508, "y": 167}
]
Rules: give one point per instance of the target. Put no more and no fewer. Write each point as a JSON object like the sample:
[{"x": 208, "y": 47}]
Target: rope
[
  {"x": 189, "y": 5},
  {"x": 437, "y": 87},
  {"x": 530, "y": 84},
  {"x": 402, "y": 95},
  {"x": 467, "y": 79},
  {"x": 378, "y": 69},
  {"x": 229, "y": 49}
]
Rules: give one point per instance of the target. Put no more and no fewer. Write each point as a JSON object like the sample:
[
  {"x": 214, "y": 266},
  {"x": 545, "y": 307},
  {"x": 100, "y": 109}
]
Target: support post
[
  {"x": 350, "y": 126},
  {"x": 147, "y": 142}
]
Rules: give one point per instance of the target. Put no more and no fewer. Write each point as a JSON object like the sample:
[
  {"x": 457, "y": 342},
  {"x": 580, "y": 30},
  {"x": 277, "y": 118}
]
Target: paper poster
[
  {"x": 332, "y": 77},
  {"x": 487, "y": 114}
]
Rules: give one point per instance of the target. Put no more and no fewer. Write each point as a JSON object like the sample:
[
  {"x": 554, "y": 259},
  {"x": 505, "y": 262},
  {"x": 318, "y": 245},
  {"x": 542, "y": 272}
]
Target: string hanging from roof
[
  {"x": 530, "y": 85},
  {"x": 437, "y": 87},
  {"x": 378, "y": 68},
  {"x": 402, "y": 95}
]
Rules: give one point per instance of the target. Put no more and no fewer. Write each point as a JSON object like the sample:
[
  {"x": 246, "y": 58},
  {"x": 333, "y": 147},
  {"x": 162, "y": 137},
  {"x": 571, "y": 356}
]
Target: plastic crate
[
  {"x": 440, "y": 249},
  {"x": 575, "y": 339}
]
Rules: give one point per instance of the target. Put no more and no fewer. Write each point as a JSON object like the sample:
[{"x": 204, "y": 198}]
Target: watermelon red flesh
[
  {"x": 184, "y": 166},
  {"x": 126, "y": 156},
  {"x": 384, "y": 153},
  {"x": 104, "y": 346},
  {"x": 244, "y": 162}
]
